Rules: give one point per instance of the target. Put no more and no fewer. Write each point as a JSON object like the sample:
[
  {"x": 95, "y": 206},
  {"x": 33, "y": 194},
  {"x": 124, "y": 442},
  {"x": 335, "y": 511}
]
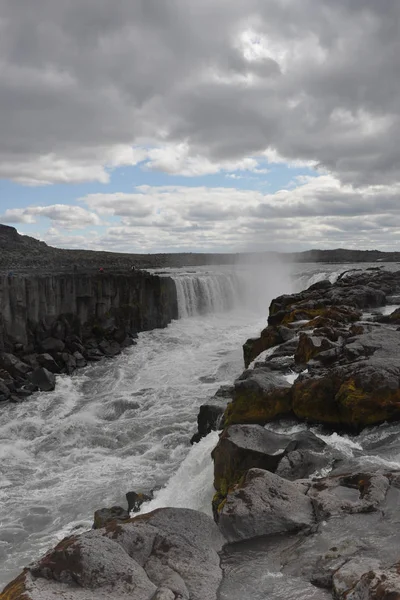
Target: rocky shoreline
[{"x": 293, "y": 518}]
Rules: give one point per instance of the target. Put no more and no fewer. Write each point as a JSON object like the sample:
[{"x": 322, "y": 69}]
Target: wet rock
[
  {"x": 270, "y": 336},
  {"x": 348, "y": 576},
  {"x": 374, "y": 583},
  {"x": 43, "y": 379},
  {"x": 107, "y": 515},
  {"x": 259, "y": 396},
  {"x": 136, "y": 499},
  {"x": 264, "y": 504},
  {"x": 209, "y": 419},
  {"x": 301, "y": 464},
  {"x": 242, "y": 447},
  {"x": 225, "y": 391}
]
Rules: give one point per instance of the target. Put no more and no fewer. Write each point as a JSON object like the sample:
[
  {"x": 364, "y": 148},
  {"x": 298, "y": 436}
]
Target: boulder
[
  {"x": 310, "y": 346},
  {"x": 107, "y": 515},
  {"x": 243, "y": 447},
  {"x": 270, "y": 336},
  {"x": 169, "y": 553},
  {"x": 136, "y": 499},
  {"x": 69, "y": 362},
  {"x": 264, "y": 504},
  {"x": 14, "y": 366},
  {"x": 52, "y": 344},
  {"x": 259, "y": 396},
  {"x": 48, "y": 362},
  {"x": 4, "y": 392},
  {"x": 43, "y": 379},
  {"x": 209, "y": 419},
  {"x": 80, "y": 360}
]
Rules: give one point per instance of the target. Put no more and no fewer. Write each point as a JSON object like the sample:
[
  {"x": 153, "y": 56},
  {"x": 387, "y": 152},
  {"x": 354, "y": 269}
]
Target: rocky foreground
[{"x": 293, "y": 518}]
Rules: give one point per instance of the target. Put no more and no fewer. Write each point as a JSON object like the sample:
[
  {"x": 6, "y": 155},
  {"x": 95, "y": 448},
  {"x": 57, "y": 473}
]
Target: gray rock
[
  {"x": 52, "y": 345},
  {"x": 48, "y": 362},
  {"x": 79, "y": 360},
  {"x": 243, "y": 447},
  {"x": 13, "y": 365},
  {"x": 107, "y": 515},
  {"x": 136, "y": 499},
  {"x": 43, "y": 379},
  {"x": 264, "y": 504},
  {"x": 169, "y": 551},
  {"x": 4, "y": 392}
]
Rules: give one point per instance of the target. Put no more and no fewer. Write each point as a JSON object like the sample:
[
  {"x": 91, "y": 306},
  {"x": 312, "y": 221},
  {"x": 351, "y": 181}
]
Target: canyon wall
[
  {"x": 33, "y": 307},
  {"x": 61, "y": 322}
]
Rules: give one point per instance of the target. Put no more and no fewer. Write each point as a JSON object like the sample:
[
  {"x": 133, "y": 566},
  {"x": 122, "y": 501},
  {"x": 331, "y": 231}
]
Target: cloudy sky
[{"x": 201, "y": 125}]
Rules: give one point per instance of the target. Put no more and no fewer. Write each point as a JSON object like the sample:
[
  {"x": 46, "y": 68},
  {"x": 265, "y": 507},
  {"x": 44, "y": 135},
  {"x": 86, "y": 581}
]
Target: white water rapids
[{"x": 125, "y": 424}]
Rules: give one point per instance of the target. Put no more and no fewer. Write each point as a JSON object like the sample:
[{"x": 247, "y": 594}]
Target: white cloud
[{"x": 61, "y": 215}]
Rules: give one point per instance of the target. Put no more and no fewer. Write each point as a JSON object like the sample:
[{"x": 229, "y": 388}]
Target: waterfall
[{"x": 206, "y": 292}]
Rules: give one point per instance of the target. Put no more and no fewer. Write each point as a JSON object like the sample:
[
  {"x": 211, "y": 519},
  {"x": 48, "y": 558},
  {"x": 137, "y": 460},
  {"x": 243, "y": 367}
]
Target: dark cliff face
[{"x": 35, "y": 307}]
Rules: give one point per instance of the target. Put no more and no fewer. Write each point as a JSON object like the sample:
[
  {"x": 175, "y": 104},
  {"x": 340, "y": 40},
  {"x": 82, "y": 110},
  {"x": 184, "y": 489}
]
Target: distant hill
[{"x": 24, "y": 253}]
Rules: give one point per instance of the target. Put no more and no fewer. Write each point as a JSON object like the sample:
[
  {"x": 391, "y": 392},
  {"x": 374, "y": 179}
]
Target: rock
[
  {"x": 209, "y": 419},
  {"x": 43, "y": 379},
  {"x": 264, "y": 504},
  {"x": 374, "y": 583},
  {"x": 4, "y": 392},
  {"x": 310, "y": 346},
  {"x": 270, "y": 336},
  {"x": 80, "y": 361},
  {"x": 107, "y": 515},
  {"x": 355, "y": 394},
  {"x": 392, "y": 319},
  {"x": 346, "y": 578},
  {"x": 301, "y": 464},
  {"x": 14, "y": 366},
  {"x": 225, "y": 391},
  {"x": 51, "y": 344},
  {"x": 136, "y": 499},
  {"x": 351, "y": 494},
  {"x": 167, "y": 551},
  {"x": 259, "y": 397},
  {"x": 69, "y": 362},
  {"x": 48, "y": 362},
  {"x": 243, "y": 447}
]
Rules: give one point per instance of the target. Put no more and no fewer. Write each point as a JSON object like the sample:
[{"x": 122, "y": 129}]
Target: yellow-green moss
[
  {"x": 16, "y": 590},
  {"x": 256, "y": 407}
]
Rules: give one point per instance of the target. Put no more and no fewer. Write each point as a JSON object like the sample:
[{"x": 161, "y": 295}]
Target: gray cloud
[{"x": 316, "y": 81}]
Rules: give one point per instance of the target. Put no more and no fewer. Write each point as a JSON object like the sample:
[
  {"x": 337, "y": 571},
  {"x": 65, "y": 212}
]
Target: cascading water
[{"x": 201, "y": 293}]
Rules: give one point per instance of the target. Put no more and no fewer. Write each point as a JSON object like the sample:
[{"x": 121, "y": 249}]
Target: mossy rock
[
  {"x": 270, "y": 336},
  {"x": 252, "y": 406},
  {"x": 347, "y": 402}
]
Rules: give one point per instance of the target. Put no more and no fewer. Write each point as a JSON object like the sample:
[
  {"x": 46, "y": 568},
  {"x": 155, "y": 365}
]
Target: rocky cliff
[{"x": 60, "y": 322}]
